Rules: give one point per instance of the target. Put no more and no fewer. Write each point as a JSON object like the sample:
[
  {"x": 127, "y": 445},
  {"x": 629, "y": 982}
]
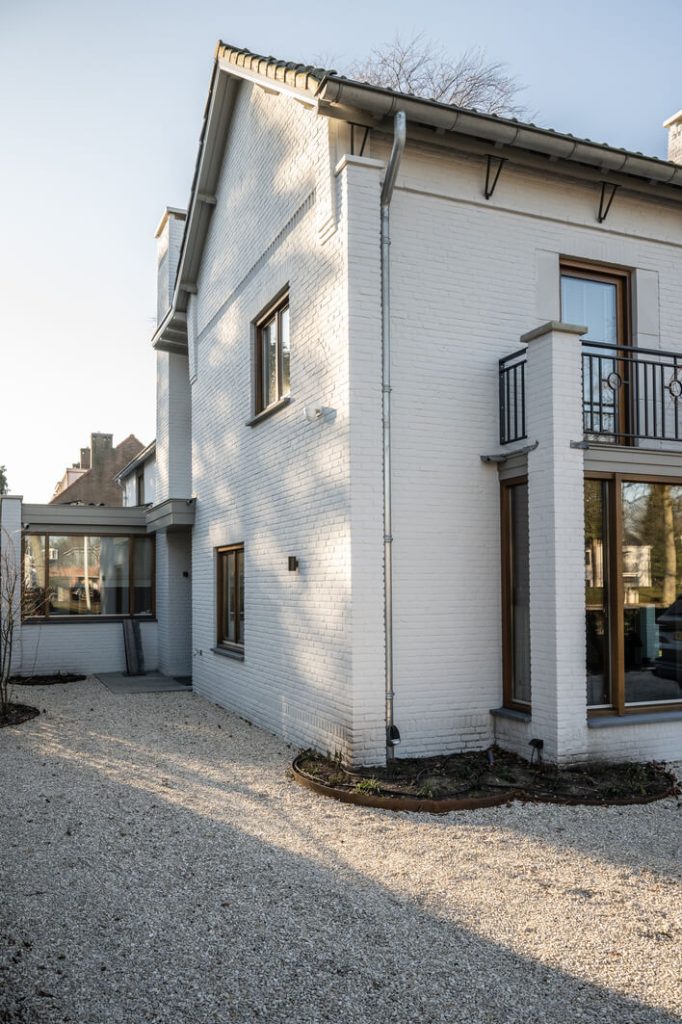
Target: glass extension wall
[
  {"x": 633, "y": 593},
  {"x": 74, "y": 575}
]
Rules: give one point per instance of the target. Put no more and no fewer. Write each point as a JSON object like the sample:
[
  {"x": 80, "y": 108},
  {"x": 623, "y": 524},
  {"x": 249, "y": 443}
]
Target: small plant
[
  {"x": 429, "y": 790},
  {"x": 367, "y": 786}
]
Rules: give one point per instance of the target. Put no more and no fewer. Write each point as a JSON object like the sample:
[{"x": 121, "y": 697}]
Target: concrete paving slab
[{"x": 152, "y": 682}]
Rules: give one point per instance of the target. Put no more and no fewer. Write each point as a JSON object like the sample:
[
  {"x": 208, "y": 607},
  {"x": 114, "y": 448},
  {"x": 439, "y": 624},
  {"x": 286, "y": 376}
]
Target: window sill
[
  {"x": 516, "y": 716},
  {"x": 227, "y": 652},
  {"x": 86, "y": 620},
  {"x": 270, "y": 411},
  {"x": 637, "y": 718}
]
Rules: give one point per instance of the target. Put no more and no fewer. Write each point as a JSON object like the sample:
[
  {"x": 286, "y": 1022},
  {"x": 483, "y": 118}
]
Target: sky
[{"x": 100, "y": 112}]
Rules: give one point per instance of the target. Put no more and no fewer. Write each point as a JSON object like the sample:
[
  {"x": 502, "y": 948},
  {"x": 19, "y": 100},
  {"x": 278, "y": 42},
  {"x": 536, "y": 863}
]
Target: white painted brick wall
[
  {"x": 173, "y": 427},
  {"x": 82, "y": 647},
  {"x": 468, "y": 278},
  {"x": 174, "y": 602},
  {"x": 10, "y": 568},
  {"x": 557, "y": 542},
  {"x": 281, "y": 487}
]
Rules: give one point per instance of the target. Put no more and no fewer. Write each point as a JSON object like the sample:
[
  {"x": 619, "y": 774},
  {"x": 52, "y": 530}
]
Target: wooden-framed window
[
  {"x": 515, "y": 595},
  {"x": 272, "y": 354},
  {"x": 633, "y": 593},
  {"x": 139, "y": 487},
  {"x": 230, "y": 597},
  {"x": 600, "y": 298},
  {"x": 67, "y": 576}
]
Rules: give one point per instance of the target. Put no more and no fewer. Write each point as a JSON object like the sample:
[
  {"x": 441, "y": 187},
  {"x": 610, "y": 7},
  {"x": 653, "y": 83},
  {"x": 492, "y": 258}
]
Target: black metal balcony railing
[
  {"x": 629, "y": 394},
  {"x": 513, "y": 397}
]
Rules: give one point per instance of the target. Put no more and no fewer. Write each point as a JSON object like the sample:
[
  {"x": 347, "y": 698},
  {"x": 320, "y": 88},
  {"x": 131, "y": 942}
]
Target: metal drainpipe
[{"x": 399, "y": 135}]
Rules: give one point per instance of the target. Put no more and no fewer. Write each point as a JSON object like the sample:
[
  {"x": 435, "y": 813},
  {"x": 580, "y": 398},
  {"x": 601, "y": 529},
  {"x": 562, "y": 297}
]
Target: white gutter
[
  {"x": 498, "y": 130},
  {"x": 399, "y": 136}
]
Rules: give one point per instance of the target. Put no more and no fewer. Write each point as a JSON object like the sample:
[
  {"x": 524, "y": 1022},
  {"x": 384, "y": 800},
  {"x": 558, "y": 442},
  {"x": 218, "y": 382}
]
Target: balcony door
[{"x": 599, "y": 300}]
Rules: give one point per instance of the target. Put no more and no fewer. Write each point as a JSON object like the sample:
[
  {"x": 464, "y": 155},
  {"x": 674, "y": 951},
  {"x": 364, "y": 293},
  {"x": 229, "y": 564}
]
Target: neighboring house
[
  {"x": 138, "y": 478},
  {"x": 93, "y": 480},
  {"x": 423, "y": 386}
]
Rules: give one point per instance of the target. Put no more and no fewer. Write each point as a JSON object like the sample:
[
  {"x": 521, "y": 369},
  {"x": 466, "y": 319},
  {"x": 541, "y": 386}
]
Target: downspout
[{"x": 399, "y": 135}]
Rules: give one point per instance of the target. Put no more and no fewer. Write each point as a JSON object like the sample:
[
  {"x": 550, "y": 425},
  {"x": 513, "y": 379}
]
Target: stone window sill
[
  {"x": 639, "y": 718},
  {"x": 512, "y": 713},
  {"x": 270, "y": 411},
  {"x": 228, "y": 652}
]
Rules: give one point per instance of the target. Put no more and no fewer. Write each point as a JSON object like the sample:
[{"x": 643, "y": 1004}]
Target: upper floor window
[{"x": 272, "y": 354}]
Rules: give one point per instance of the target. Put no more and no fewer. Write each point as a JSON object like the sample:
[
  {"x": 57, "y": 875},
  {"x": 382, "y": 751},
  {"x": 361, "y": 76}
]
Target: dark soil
[
  {"x": 15, "y": 714},
  {"x": 57, "y": 677},
  {"x": 494, "y": 772}
]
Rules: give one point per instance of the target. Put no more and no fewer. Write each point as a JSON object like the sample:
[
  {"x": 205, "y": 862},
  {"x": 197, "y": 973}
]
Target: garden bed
[
  {"x": 15, "y": 714},
  {"x": 47, "y": 680},
  {"x": 480, "y": 779}
]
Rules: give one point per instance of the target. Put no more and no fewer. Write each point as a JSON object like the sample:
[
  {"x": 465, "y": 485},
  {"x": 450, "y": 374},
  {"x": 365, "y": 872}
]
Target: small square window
[
  {"x": 230, "y": 597},
  {"x": 272, "y": 355}
]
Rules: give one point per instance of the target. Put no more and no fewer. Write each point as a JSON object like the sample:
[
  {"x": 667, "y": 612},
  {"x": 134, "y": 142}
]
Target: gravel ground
[{"x": 159, "y": 866}]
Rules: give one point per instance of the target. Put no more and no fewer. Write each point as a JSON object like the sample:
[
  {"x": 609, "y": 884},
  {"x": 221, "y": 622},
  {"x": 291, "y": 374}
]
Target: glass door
[{"x": 599, "y": 301}]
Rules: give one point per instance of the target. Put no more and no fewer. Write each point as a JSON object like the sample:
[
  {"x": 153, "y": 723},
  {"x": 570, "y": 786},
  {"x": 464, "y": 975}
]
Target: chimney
[
  {"x": 169, "y": 238},
  {"x": 100, "y": 444},
  {"x": 674, "y": 126},
  {"x": 85, "y": 459}
]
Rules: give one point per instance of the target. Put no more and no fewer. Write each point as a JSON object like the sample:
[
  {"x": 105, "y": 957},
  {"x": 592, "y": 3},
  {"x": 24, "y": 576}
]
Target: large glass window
[
  {"x": 272, "y": 361},
  {"x": 516, "y": 595},
  {"x": 597, "y": 594},
  {"x": 230, "y": 580},
  {"x": 75, "y": 575},
  {"x": 651, "y": 573},
  {"x": 633, "y": 586}
]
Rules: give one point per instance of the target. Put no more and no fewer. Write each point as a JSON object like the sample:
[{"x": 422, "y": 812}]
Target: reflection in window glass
[
  {"x": 596, "y": 595},
  {"x": 74, "y": 576},
  {"x": 34, "y": 596},
  {"x": 651, "y": 568},
  {"x": 594, "y": 304},
  {"x": 520, "y": 593},
  {"x": 143, "y": 567},
  {"x": 230, "y": 564},
  {"x": 114, "y": 575},
  {"x": 87, "y": 575},
  {"x": 284, "y": 331}
]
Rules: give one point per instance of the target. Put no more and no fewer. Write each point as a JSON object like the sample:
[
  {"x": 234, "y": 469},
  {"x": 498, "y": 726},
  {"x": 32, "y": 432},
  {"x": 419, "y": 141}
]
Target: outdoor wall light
[
  {"x": 293, "y": 563},
  {"x": 536, "y": 746},
  {"x": 393, "y": 735}
]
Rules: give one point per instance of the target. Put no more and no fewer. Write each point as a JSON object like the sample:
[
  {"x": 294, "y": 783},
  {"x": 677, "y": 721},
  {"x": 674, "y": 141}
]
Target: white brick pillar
[
  {"x": 10, "y": 562},
  {"x": 360, "y": 181},
  {"x": 556, "y": 533}
]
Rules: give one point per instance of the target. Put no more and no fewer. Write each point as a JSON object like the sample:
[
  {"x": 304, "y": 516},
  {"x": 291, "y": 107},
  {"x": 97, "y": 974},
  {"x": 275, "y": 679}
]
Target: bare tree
[
  {"x": 424, "y": 68},
  {"x": 10, "y": 584},
  {"x": 4, "y": 486}
]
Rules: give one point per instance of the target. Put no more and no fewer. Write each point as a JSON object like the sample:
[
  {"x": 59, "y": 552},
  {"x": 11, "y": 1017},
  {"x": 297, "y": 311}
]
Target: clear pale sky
[{"x": 100, "y": 111}]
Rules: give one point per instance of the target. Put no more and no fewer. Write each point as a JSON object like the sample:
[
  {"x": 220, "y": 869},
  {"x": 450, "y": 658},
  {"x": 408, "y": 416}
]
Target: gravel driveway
[{"x": 159, "y": 866}]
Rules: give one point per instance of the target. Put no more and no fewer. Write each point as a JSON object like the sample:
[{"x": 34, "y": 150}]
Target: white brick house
[
  {"x": 285, "y": 221},
  {"x": 390, "y": 536}
]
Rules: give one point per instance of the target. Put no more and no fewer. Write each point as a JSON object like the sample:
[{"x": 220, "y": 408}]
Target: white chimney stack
[
  {"x": 169, "y": 237},
  {"x": 674, "y": 126}
]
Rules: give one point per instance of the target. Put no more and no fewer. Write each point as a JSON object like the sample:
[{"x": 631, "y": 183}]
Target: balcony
[{"x": 629, "y": 395}]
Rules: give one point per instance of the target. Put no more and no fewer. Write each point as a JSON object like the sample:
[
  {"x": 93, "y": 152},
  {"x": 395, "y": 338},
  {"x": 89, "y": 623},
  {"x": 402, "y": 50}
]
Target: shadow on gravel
[{"x": 163, "y": 908}]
